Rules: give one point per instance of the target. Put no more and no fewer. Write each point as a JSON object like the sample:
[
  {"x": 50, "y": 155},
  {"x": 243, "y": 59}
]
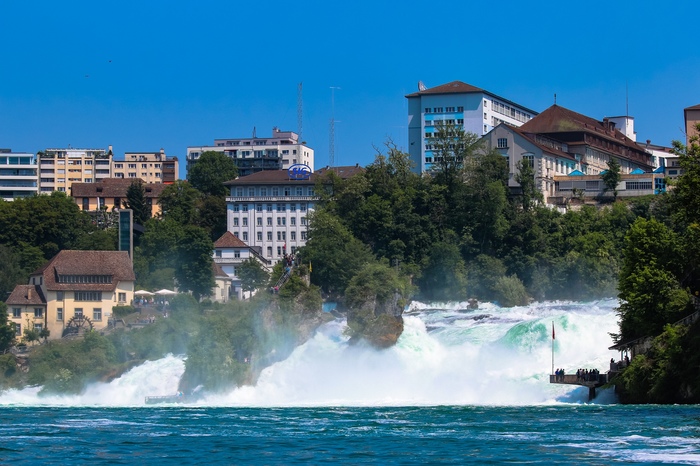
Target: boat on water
[{"x": 177, "y": 398}]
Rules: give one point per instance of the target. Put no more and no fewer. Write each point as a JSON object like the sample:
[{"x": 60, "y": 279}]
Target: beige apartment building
[
  {"x": 60, "y": 168},
  {"x": 151, "y": 167}
]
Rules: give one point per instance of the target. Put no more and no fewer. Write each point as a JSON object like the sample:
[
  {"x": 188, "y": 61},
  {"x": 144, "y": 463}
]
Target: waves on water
[{"x": 447, "y": 355}]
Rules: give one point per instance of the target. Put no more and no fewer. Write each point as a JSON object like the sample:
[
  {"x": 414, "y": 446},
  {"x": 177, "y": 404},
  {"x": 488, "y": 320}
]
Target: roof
[
  {"x": 282, "y": 176},
  {"x": 694, "y": 107},
  {"x": 218, "y": 271},
  {"x": 455, "y": 87},
  {"x": 26, "y": 295},
  {"x": 114, "y": 187},
  {"x": 459, "y": 87},
  {"x": 532, "y": 138},
  {"x": 229, "y": 240},
  {"x": 558, "y": 119},
  {"x": 68, "y": 262}
]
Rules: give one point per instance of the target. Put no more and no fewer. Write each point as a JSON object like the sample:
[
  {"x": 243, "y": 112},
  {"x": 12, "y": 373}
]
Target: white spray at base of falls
[{"x": 447, "y": 355}]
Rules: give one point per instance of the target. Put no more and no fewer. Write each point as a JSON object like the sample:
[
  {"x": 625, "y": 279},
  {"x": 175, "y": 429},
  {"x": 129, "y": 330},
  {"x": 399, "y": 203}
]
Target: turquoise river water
[{"x": 460, "y": 387}]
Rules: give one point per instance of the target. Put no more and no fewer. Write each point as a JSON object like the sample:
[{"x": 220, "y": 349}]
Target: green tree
[
  {"x": 137, "y": 202},
  {"x": 252, "y": 275},
  {"x": 194, "y": 254},
  {"x": 211, "y": 171},
  {"x": 7, "y": 329},
  {"x": 444, "y": 275},
  {"x": 335, "y": 254},
  {"x": 180, "y": 202},
  {"x": 612, "y": 177},
  {"x": 525, "y": 177}
]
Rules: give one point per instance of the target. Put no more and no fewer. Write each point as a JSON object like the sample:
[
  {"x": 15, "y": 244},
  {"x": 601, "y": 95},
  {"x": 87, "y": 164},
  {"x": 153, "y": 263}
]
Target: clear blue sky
[{"x": 150, "y": 74}]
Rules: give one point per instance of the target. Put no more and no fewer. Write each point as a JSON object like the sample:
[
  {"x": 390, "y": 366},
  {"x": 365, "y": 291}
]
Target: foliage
[
  {"x": 7, "y": 329},
  {"x": 137, "y": 202},
  {"x": 252, "y": 275},
  {"x": 194, "y": 252},
  {"x": 444, "y": 275},
  {"x": 211, "y": 171},
  {"x": 612, "y": 176},
  {"x": 122, "y": 311},
  {"x": 525, "y": 177},
  {"x": 179, "y": 203},
  {"x": 511, "y": 292}
]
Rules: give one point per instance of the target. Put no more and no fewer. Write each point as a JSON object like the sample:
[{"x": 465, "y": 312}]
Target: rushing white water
[{"x": 446, "y": 356}]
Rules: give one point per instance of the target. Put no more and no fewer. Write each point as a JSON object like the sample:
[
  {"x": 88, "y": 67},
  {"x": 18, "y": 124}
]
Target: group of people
[
  {"x": 587, "y": 375},
  {"x": 559, "y": 375}
]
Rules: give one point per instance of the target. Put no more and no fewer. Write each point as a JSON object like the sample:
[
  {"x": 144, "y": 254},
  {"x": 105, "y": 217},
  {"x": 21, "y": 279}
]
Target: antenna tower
[
  {"x": 300, "y": 111},
  {"x": 331, "y": 138}
]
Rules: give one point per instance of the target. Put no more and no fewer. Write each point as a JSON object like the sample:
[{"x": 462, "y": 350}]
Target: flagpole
[{"x": 552, "y": 347}]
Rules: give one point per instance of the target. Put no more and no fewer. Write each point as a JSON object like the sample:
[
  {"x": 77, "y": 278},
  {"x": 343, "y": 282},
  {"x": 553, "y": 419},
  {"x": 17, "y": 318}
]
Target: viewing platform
[{"x": 572, "y": 379}]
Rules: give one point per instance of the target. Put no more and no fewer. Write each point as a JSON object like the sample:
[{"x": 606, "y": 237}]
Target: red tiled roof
[
  {"x": 26, "y": 295},
  {"x": 67, "y": 262},
  {"x": 114, "y": 187},
  {"x": 229, "y": 240},
  {"x": 218, "y": 271},
  {"x": 455, "y": 87},
  {"x": 533, "y": 140}
]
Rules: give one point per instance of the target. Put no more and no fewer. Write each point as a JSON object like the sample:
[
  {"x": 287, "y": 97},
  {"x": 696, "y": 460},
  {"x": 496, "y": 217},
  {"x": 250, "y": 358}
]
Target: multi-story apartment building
[
  {"x": 269, "y": 210},
  {"x": 459, "y": 104},
  {"x": 74, "y": 290},
  {"x": 560, "y": 142},
  {"x": 254, "y": 154},
  {"x": 60, "y": 168},
  {"x": 110, "y": 193},
  {"x": 18, "y": 174},
  {"x": 151, "y": 167}
]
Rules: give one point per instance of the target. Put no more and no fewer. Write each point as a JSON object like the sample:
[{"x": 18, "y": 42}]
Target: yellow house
[{"x": 75, "y": 290}]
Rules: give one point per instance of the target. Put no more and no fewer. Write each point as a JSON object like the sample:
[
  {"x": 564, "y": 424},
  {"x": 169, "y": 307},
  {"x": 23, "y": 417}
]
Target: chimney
[{"x": 29, "y": 294}]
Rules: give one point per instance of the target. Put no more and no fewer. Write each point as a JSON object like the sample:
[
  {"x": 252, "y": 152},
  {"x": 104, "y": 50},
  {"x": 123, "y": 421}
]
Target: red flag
[{"x": 553, "y": 336}]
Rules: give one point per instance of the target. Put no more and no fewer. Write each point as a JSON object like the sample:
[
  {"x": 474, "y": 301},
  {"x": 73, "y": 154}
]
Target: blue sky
[{"x": 150, "y": 74}]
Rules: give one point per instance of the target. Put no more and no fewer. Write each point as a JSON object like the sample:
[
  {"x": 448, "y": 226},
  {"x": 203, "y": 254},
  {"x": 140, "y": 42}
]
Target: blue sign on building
[{"x": 299, "y": 172}]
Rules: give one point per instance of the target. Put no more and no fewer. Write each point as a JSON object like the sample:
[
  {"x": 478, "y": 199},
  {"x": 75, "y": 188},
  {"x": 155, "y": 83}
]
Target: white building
[
  {"x": 255, "y": 154},
  {"x": 229, "y": 253},
  {"x": 18, "y": 174},
  {"x": 269, "y": 210},
  {"x": 60, "y": 168},
  {"x": 460, "y": 104}
]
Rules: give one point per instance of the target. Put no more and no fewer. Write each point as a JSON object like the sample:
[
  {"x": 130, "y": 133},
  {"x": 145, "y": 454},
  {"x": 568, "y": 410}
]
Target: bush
[
  {"x": 510, "y": 292},
  {"x": 122, "y": 311}
]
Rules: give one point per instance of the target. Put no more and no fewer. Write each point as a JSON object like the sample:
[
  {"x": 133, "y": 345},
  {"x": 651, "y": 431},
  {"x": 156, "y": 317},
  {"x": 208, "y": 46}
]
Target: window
[
  {"x": 86, "y": 203},
  {"x": 16, "y": 312},
  {"x": 279, "y": 250},
  {"x": 88, "y": 296},
  {"x": 235, "y": 222},
  {"x": 269, "y": 236},
  {"x": 303, "y": 236},
  {"x": 245, "y": 236},
  {"x": 437, "y": 110},
  {"x": 97, "y": 314},
  {"x": 269, "y": 251},
  {"x": 428, "y": 110},
  {"x": 299, "y": 191},
  {"x": 311, "y": 191},
  {"x": 244, "y": 208},
  {"x": 292, "y": 207},
  {"x": 18, "y": 330},
  {"x": 281, "y": 221},
  {"x": 59, "y": 314},
  {"x": 78, "y": 312},
  {"x": 275, "y": 191},
  {"x": 251, "y": 192},
  {"x": 122, "y": 297},
  {"x": 293, "y": 221},
  {"x": 303, "y": 220},
  {"x": 449, "y": 109},
  {"x": 260, "y": 236},
  {"x": 293, "y": 236},
  {"x": 269, "y": 207},
  {"x": 236, "y": 208},
  {"x": 237, "y": 253},
  {"x": 38, "y": 312},
  {"x": 460, "y": 109},
  {"x": 530, "y": 158},
  {"x": 239, "y": 192},
  {"x": 263, "y": 191},
  {"x": 502, "y": 143},
  {"x": 245, "y": 221},
  {"x": 281, "y": 207},
  {"x": 302, "y": 207},
  {"x": 258, "y": 207},
  {"x": 287, "y": 191},
  {"x": 259, "y": 221}
]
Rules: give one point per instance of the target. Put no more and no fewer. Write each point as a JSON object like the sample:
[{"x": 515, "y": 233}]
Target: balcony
[{"x": 271, "y": 198}]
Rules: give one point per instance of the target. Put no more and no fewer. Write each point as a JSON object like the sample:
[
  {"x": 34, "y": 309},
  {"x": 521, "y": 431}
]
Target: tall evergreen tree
[{"x": 137, "y": 202}]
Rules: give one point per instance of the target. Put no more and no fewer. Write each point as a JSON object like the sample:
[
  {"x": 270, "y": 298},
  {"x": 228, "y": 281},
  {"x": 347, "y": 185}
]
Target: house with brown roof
[
  {"x": 459, "y": 104},
  {"x": 268, "y": 210},
  {"x": 110, "y": 194},
  {"x": 73, "y": 291},
  {"x": 691, "y": 115},
  {"x": 560, "y": 143}
]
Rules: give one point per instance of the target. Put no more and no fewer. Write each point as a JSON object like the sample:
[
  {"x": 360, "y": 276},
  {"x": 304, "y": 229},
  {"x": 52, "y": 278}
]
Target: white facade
[
  {"x": 254, "y": 154},
  {"x": 269, "y": 212},
  {"x": 18, "y": 174},
  {"x": 473, "y": 109},
  {"x": 60, "y": 168}
]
